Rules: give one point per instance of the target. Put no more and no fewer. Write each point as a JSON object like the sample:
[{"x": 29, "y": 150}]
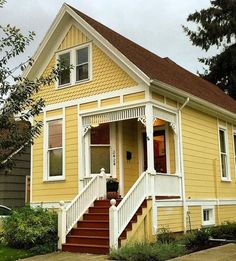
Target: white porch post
[{"x": 149, "y": 131}]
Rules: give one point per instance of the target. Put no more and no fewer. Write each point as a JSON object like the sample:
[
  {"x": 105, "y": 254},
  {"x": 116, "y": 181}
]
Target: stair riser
[
  {"x": 96, "y": 217},
  {"x": 94, "y": 224},
  {"x": 88, "y": 241},
  {"x": 82, "y": 249},
  {"x": 102, "y": 203},
  {"x": 99, "y": 210},
  {"x": 90, "y": 232}
]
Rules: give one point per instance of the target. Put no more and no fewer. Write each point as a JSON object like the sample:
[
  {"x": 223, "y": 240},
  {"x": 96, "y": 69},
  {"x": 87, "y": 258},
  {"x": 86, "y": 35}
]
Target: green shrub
[
  {"x": 31, "y": 228},
  {"x": 226, "y": 230},
  {"x": 165, "y": 236},
  {"x": 147, "y": 251},
  {"x": 197, "y": 239}
]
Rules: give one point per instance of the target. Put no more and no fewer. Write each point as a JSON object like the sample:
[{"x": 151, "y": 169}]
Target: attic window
[
  {"x": 82, "y": 64},
  {"x": 64, "y": 77}
]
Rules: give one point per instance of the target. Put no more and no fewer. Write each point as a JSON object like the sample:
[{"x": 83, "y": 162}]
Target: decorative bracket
[
  {"x": 142, "y": 119},
  {"x": 173, "y": 126},
  {"x": 86, "y": 128}
]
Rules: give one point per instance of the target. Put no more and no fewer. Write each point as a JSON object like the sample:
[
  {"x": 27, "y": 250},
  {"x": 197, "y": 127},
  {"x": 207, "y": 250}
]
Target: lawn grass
[{"x": 11, "y": 254}]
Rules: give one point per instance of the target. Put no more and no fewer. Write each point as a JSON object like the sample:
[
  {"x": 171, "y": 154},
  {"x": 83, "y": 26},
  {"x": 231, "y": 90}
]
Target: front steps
[{"x": 92, "y": 233}]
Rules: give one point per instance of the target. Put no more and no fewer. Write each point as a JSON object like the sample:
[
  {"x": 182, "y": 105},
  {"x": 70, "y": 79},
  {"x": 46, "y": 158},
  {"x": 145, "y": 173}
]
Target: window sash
[
  {"x": 223, "y": 154},
  {"x": 81, "y": 64},
  {"x": 64, "y": 73}
]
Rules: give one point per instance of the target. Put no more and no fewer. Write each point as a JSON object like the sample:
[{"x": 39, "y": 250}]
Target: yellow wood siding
[
  {"x": 130, "y": 142},
  {"x": 88, "y": 106},
  {"x": 110, "y": 101},
  {"x": 172, "y": 151},
  {"x": 73, "y": 38},
  {"x": 194, "y": 217},
  {"x": 171, "y": 102},
  {"x": 201, "y": 157},
  {"x": 170, "y": 217},
  {"x": 106, "y": 75},
  {"x": 50, "y": 191},
  {"x": 134, "y": 96},
  {"x": 227, "y": 213},
  {"x": 158, "y": 97},
  {"x": 54, "y": 113}
]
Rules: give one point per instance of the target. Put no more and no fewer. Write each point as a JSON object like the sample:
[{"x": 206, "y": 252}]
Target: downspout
[{"x": 185, "y": 207}]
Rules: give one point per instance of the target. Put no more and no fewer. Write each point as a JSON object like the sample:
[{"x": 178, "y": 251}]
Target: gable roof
[{"x": 162, "y": 69}]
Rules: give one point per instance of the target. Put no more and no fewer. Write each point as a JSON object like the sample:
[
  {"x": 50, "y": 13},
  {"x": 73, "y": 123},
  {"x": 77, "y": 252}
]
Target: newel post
[
  {"x": 104, "y": 183},
  {"x": 113, "y": 225},
  {"x": 61, "y": 224}
]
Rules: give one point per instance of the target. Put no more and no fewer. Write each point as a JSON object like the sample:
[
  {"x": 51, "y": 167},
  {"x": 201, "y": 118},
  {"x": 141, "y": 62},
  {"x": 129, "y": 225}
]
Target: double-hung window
[
  {"x": 54, "y": 149},
  {"x": 224, "y": 157},
  {"x": 82, "y": 64},
  {"x": 234, "y": 140},
  {"x": 208, "y": 216},
  {"x": 75, "y": 66}
]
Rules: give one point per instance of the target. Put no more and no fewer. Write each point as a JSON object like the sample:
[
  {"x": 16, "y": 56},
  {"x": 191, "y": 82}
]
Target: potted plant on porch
[{"x": 112, "y": 188}]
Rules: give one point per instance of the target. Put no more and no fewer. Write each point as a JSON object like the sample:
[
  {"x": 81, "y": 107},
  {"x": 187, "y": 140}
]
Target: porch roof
[{"x": 162, "y": 69}]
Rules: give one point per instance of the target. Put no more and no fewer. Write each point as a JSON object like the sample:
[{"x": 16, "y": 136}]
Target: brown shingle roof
[{"x": 162, "y": 69}]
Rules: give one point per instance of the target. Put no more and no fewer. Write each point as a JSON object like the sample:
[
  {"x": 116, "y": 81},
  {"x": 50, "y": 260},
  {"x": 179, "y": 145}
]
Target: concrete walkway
[
  {"x": 65, "y": 256},
  {"x": 221, "y": 253}
]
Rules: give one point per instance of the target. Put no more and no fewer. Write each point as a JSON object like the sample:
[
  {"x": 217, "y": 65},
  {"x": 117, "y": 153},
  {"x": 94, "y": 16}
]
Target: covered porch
[{"x": 129, "y": 141}]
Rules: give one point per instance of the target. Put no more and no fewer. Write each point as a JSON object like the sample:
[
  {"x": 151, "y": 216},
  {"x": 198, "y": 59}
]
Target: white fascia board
[{"x": 197, "y": 102}]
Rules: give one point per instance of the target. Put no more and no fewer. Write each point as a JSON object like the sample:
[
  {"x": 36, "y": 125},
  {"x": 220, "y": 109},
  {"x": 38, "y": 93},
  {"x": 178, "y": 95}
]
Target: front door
[{"x": 159, "y": 144}]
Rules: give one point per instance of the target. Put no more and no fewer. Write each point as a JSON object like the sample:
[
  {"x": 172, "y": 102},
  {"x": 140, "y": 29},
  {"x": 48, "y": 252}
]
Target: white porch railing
[
  {"x": 146, "y": 185},
  {"x": 167, "y": 185},
  {"x": 68, "y": 217}
]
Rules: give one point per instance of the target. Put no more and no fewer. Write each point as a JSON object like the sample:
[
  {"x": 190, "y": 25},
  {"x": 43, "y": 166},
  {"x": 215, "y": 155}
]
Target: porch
[{"x": 140, "y": 146}]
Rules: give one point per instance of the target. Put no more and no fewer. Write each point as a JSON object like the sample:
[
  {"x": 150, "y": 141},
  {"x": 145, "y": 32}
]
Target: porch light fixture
[{"x": 95, "y": 125}]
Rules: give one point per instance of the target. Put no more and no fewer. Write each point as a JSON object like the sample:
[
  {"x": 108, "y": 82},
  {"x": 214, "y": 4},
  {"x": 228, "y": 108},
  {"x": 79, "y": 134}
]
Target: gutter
[{"x": 185, "y": 207}]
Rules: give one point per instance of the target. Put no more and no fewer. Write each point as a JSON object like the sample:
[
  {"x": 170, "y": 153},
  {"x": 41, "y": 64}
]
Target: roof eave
[{"x": 196, "y": 102}]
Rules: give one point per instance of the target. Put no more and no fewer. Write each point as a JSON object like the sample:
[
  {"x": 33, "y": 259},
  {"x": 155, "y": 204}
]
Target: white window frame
[
  {"x": 57, "y": 60},
  {"x": 89, "y": 63},
  {"x": 46, "y": 176},
  {"x": 211, "y": 220},
  {"x": 234, "y": 147},
  {"x": 72, "y": 52},
  {"x": 224, "y": 129},
  {"x": 112, "y": 145}
]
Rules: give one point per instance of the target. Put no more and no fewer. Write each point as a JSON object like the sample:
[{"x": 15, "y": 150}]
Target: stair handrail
[
  {"x": 120, "y": 216},
  {"x": 69, "y": 216}
]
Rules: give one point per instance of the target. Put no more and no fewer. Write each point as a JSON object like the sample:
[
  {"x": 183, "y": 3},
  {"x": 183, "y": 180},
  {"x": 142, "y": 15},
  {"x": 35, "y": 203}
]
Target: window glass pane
[
  {"x": 82, "y": 55},
  {"x": 55, "y": 162},
  {"x": 82, "y": 72},
  {"x": 100, "y": 134},
  {"x": 234, "y": 145},
  {"x": 64, "y": 60},
  {"x": 222, "y": 141},
  {"x": 224, "y": 165},
  {"x": 55, "y": 134},
  {"x": 206, "y": 215},
  {"x": 100, "y": 158}
]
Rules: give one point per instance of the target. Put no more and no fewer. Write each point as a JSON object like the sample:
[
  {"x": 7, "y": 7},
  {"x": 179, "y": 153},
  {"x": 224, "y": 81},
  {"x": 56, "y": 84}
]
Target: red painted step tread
[
  {"x": 85, "y": 245},
  {"x": 97, "y": 237}
]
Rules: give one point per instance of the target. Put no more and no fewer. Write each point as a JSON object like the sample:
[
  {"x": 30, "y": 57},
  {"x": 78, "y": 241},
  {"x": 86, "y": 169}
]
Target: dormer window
[
  {"x": 80, "y": 59},
  {"x": 82, "y": 64}
]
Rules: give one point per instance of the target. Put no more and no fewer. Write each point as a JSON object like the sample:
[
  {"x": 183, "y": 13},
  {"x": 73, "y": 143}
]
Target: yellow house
[{"x": 165, "y": 134}]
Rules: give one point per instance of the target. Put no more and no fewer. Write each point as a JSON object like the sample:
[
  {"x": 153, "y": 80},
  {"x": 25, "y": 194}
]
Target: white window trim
[
  {"x": 234, "y": 145},
  {"x": 211, "y": 222},
  {"x": 227, "y": 178},
  {"x": 113, "y": 153},
  {"x": 46, "y": 176},
  {"x": 72, "y": 52}
]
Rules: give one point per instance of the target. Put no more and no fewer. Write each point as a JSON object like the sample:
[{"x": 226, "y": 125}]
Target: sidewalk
[
  {"x": 221, "y": 253},
  {"x": 66, "y": 256}
]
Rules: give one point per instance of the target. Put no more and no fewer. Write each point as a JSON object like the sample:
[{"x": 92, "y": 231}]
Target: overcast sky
[{"x": 154, "y": 24}]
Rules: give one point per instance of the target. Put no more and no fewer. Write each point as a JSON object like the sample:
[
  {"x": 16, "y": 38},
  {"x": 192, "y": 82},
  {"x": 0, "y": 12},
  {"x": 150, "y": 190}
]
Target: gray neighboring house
[{"x": 15, "y": 184}]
